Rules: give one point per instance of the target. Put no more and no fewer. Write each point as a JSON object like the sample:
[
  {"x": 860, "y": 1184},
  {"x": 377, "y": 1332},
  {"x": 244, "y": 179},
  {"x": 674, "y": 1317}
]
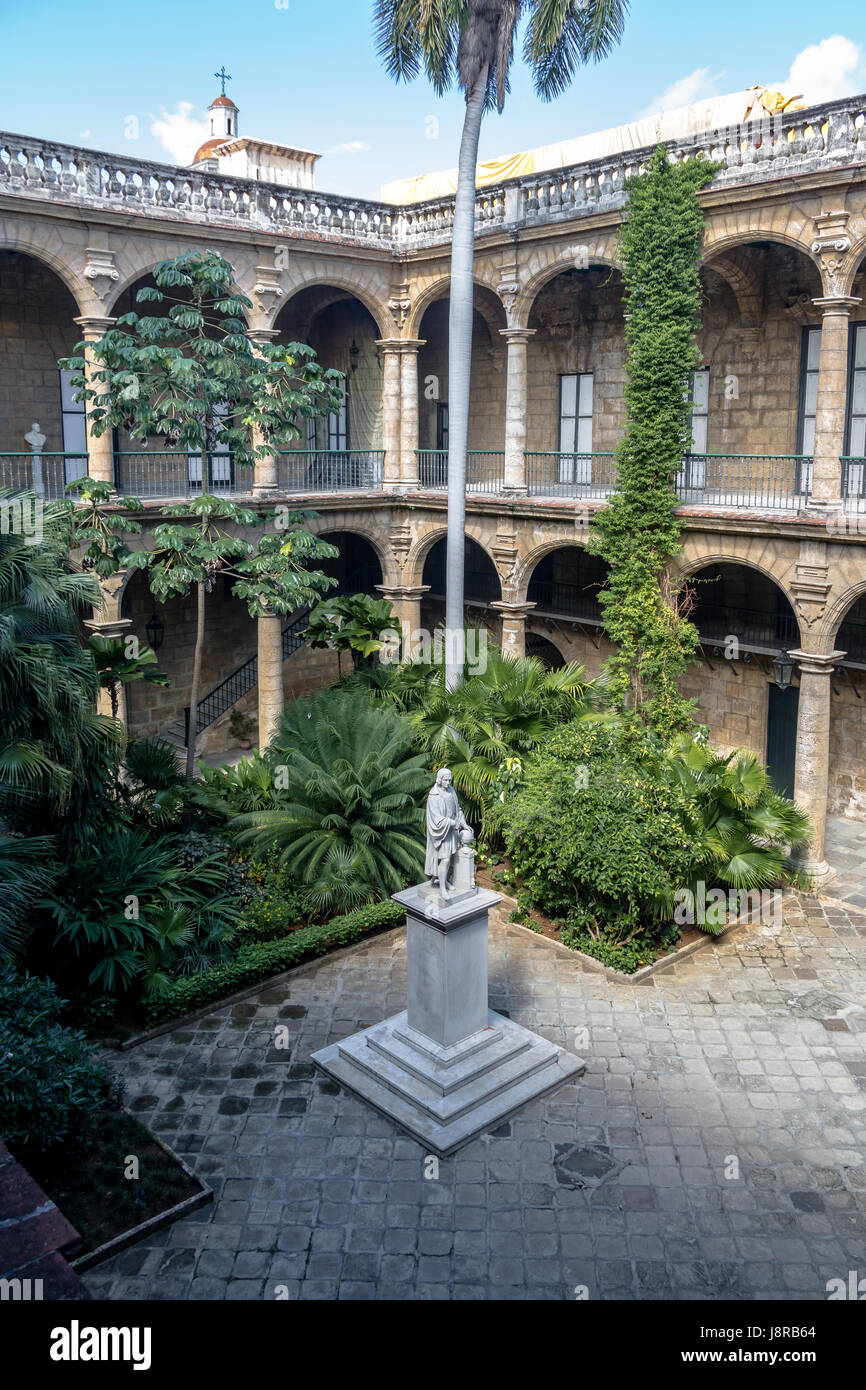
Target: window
[
  {"x": 694, "y": 474},
  {"x": 337, "y": 425},
  {"x": 809, "y": 364},
  {"x": 74, "y": 429},
  {"x": 855, "y": 425},
  {"x": 441, "y": 425},
  {"x": 220, "y": 473},
  {"x": 575, "y": 428}
]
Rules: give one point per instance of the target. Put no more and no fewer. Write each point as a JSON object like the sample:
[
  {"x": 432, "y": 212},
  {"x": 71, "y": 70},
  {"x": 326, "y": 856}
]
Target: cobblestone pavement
[
  {"x": 748, "y": 1058},
  {"x": 845, "y": 848}
]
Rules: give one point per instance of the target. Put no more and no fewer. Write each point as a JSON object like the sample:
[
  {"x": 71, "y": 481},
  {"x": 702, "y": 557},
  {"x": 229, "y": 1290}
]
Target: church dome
[{"x": 206, "y": 150}]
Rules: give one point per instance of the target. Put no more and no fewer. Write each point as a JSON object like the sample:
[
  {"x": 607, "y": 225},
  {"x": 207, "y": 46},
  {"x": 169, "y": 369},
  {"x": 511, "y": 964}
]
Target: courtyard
[{"x": 713, "y": 1149}]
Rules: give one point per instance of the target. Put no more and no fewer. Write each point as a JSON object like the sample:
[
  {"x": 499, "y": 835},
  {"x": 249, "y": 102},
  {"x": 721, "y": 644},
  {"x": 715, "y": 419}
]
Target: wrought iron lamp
[
  {"x": 783, "y": 670},
  {"x": 155, "y": 630}
]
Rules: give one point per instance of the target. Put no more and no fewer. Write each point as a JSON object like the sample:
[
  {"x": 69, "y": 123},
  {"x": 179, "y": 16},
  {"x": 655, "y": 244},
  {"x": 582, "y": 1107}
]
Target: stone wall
[
  {"x": 847, "y": 795},
  {"x": 36, "y": 328},
  {"x": 487, "y": 413}
]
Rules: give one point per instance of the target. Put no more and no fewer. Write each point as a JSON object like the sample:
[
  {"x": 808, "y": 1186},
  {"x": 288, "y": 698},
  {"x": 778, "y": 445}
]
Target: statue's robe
[{"x": 445, "y": 820}]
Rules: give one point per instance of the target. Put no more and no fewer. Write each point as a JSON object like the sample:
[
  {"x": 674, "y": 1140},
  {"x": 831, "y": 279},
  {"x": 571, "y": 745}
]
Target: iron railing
[
  {"x": 225, "y": 695},
  {"x": 330, "y": 470},
  {"x": 763, "y": 631},
  {"x": 150, "y": 473},
  {"x": 774, "y": 482},
  {"x": 854, "y": 483},
  {"x": 485, "y": 470},
  {"x": 565, "y": 600},
  {"x": 590, "y": 476},
  {"x": 44, "y": 474}
]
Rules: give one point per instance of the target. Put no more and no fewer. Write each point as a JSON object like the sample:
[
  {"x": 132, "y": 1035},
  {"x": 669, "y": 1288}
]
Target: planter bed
[{"x": 108, "y": 1210}]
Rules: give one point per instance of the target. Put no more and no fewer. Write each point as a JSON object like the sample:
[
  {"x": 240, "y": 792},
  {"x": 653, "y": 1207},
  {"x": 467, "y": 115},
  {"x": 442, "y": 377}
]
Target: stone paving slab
[{"x": 714, "y": 1148}]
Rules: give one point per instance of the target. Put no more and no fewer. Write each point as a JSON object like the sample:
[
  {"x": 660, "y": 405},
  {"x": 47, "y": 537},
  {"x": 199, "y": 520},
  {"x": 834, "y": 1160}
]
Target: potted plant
[{"x": 241, "y": 727}]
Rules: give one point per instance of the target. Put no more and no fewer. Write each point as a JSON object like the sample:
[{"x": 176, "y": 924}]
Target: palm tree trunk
[
  {"x": 196, "y": 683},
  {"x": 459, "y": 373}
]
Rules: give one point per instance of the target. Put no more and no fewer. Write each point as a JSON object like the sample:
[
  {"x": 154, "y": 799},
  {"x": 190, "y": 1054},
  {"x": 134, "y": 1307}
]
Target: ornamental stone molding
[
  {"x": 830, "y": 246},
  {"x": 100, "y": 267},
  {"x": 267, "y": 290}
]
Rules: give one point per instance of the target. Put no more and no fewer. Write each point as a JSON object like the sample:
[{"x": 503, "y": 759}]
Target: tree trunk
[
  {"x": 459, "y": 372},
  {"x": 196, "y": 683}
]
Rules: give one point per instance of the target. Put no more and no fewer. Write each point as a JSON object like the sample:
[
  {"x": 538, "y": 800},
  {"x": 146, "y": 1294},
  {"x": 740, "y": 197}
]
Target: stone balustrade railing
[{"x": 823, "y": 137}]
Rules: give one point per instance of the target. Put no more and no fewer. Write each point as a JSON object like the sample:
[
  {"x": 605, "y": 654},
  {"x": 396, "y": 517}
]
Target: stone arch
[
  {"x": 439, "y": 289},
  {"x": 549, "y": 262},
  {"x": 15, "y": 237},
  {"x": 701, "y": 549},
  {"x": 348, "y": 283},
  {"x": 835, "y": 616},
  {"x": 732, "y": 562},
  {"x": 144, "y": 271},
  {"x": 856, "y": 266},
  {"x": 419, "y": 550},
  {"x": 720, "y": 240},
  {"x": 328, "y": 527},
  {"x": 529, "y": 562}
]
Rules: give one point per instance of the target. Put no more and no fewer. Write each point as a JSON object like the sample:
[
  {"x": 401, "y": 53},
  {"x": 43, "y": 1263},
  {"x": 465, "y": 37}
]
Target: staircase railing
[{"x": 223, "y": 696}]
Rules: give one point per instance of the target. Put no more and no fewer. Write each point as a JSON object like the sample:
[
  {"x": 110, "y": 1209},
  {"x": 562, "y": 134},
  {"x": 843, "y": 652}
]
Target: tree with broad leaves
[
  {"x": 355, "y": 623},
  {"x": 472, "y": 41},
  {"x": 192, "y": 549}
]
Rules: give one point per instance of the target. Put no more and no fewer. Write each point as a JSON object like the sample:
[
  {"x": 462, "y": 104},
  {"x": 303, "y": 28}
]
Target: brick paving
[{"x": 714, "y": 1148}]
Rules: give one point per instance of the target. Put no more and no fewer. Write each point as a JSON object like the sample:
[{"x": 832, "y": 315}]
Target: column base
[
  {"x": 824, "y": 506},
  {"x": 820, "y": 872},
  {"x": 446, "y": 1096}
]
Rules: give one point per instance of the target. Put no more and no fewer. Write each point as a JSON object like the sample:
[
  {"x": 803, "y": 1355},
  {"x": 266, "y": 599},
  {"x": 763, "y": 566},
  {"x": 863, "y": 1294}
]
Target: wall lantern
[
  {"x": 783, "y": 670},
  {"x": 155, "y": 631},
  {"x": 354, "y": 354}
]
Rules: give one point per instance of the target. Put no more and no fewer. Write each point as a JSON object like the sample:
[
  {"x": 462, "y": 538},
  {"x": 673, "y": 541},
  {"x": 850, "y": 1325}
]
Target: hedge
[{"x": 258, "y": 960}]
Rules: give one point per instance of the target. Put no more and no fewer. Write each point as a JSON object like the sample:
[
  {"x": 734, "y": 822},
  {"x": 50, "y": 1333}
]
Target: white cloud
[
  {"x": 350, "y": 147},
  {"x": 696, "y": 86},
  {"x": 180, "y": 131},
  {"x": 825, "y": 70}
]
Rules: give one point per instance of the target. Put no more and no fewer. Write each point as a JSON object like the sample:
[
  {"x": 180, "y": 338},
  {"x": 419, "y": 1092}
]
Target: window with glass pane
[
  {"x": 575, "y": 427},
  {"x": 337, "y": 426},
  {"x": 700, "y": 410},
  {"x": 74, "y": 430},
  {"x": 855, "y": 442},
  {"x": 809, "y": 389},
  {"x": 442, "y": 425}
]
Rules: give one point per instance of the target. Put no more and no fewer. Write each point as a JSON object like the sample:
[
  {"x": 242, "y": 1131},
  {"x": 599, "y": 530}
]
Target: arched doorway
[
  {"x": 565, "y": 586},
  {"x": 343, "y": 448},
  {"x": 37, "y": 329},
  {"x": 357, "y": 569},
  {"x": 544, "y": 651},
  {"x": 745, "y": 620},
  {"x": 481, "y": 585},
  {"x": 486, "y": 440}
]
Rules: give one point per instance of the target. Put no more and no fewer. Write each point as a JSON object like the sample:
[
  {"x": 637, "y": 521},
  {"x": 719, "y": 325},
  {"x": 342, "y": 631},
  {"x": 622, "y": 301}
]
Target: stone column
[
  {"x": 265, "y": 480},
  {"x": 108, "y": 625},
  {"x": 405, "y": 599},
  {"x": 391, "y": 349},
  {"x": 270, "y": 643},
  {"x": 409, "y": 412},
  {"x": 100, "y": 448},
  {"x": 831, "y": 402},
  {"x": 811, "y": 777},
  {"x": 514, "y": 617},
  {"x": 515, "y": 408}
]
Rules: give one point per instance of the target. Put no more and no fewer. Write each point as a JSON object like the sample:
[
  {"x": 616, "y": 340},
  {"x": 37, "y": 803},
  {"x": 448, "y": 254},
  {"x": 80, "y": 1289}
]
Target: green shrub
[
  {"x": 258, "y": 961},
  {"x": 51, "y": 1089},
  {"x": 625, "y": 956},
  {"x": 597, "y": 828}
]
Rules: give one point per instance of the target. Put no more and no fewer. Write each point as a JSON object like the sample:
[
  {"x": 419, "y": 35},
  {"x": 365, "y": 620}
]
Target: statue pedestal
[{"x": 447, "y": 1069}]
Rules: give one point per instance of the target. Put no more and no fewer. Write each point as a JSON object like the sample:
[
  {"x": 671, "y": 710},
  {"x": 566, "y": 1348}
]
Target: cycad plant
[
  {"x": 472, "y": 41},
  {"x": 347, "y": 811},
  {"x": 745, "y": 831}
]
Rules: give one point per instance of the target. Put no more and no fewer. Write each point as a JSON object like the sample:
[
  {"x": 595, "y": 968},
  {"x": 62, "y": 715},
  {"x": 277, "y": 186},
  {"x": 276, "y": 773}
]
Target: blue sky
[{"x": 136, "y": 78}]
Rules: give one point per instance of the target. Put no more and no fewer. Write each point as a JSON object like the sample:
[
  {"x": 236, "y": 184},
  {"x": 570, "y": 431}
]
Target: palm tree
[
  {"x": 473, "y": 40},
  {"x": 347, "y": 811}
]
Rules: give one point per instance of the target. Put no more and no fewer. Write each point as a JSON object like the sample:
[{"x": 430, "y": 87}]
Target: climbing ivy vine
[{"x": 639, "y": 531}]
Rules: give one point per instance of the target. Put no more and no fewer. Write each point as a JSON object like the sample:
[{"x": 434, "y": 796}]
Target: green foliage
[
  {"x": 28, "y": 870},
  {"x": 53, "y": 742},
  {"x": 192, "y": 374},
  {"x": 231, "y": 790},
  {"x": 595, "y": 828},
  {"x": 119, "y": 664},
  {"x": 51, "y": 1089},
  {"x": 257, "y": 962},
  {"x": 354, "y": 623},
  {"x": 625, "y": 956},
  {"x": 346, "y": 813},
  {"x": 638, "y": 532},
  {"x": 454, "y": 39},
  {"x": 97, "y": 524}
]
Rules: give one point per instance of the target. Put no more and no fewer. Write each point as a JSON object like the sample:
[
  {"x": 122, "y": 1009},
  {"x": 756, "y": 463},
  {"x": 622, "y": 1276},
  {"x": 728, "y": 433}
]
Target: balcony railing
[
  {"x": 44, "y": 474},
  {"x": 590, "y": 476},
  {"x": 485, "y": 470},
  {"x": 774, "y": 482},
  {"x": 566, "y": 600},
  {"x": 153, "y": 473},
  {"x": 754, "y": 630},
  {"x": 822, "y": 138},
  {"x": 330, "y": 470},
  {"x": 854, "y": 483}
]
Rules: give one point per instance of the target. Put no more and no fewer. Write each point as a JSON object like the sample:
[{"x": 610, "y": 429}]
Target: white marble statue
[{"x": 447, "y": 831}]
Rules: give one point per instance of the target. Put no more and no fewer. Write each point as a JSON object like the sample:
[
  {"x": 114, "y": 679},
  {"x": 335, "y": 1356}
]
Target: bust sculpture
[{"x": 449, "y": 836}]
